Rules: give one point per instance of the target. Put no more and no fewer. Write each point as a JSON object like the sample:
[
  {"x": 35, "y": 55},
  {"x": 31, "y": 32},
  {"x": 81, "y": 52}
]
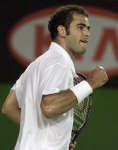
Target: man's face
[{"x": 77, "y": 38}]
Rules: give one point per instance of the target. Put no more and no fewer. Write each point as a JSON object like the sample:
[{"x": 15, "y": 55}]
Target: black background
[{"x": 12, "y": 11}]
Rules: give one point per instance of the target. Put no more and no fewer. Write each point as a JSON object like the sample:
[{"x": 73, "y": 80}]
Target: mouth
[{"x": 84, "y": 41}]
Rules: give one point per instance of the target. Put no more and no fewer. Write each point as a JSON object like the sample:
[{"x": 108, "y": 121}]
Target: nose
[{"x": 86, "y": 32}]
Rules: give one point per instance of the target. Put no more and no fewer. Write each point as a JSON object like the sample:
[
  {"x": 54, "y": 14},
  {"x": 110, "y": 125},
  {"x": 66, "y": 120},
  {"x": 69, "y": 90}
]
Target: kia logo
[{"x": 29, "y": 38}]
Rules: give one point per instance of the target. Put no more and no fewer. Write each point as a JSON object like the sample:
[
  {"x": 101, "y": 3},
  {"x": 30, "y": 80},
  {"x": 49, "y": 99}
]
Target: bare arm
[
  {"x": 11, "y": 108},
  {"x": 58, "y": 103}
]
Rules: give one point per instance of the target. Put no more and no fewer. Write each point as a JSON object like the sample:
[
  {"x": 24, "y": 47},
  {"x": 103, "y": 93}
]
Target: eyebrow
[{"x": 84, "y": 25}]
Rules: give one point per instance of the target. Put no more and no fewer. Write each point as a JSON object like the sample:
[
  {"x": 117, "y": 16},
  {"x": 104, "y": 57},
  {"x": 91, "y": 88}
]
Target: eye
[
  {"x": 81, "y": 27},
  {"x": 88, "y": 28}
]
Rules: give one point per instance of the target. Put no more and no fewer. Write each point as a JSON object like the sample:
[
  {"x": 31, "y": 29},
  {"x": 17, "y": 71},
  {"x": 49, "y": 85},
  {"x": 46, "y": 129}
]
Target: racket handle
[{"x": 74, "y": 138}]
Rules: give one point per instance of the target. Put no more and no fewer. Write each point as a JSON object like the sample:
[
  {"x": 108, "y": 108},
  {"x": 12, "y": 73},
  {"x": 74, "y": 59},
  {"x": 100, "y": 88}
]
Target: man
[{"x": 45, "y": 92}]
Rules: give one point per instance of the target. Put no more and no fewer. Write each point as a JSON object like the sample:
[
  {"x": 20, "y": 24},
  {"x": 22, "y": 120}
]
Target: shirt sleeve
[
  {"x": 13, "y": 87},
  {"x": 18, "y": 88},
  {"x": 56, "y": 78}
]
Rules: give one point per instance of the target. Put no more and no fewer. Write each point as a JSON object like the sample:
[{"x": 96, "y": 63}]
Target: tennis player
[{"x": 43, "y": 97}]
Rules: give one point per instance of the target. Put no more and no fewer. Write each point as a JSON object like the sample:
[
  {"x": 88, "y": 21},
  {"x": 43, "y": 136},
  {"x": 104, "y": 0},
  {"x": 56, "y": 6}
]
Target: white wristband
[{"x": 82, "y": 90}]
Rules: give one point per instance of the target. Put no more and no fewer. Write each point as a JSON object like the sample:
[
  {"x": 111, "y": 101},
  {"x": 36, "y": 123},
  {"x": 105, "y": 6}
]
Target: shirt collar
[{"x": 64, "y": 53}]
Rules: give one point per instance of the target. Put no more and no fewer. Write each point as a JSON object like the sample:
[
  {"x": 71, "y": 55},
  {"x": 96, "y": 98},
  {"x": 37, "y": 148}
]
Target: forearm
[
  {"x": 10, "y": 107},
  {"x": 13, "y": 115},
  {"x": 58, "y": 103}
]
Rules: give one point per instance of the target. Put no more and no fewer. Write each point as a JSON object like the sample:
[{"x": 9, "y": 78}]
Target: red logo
[{"x": 29, "y": 38}]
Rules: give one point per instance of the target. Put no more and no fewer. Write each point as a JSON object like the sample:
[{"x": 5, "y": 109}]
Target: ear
[{"x": 61, "y": 31}]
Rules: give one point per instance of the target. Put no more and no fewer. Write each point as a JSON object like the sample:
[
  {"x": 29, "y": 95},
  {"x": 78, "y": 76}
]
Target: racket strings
[{"x": 80, "y": 112}]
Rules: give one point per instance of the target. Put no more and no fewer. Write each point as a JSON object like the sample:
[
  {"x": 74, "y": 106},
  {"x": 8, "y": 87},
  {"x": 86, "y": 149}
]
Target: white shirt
[{"x": 50, "y": 73}]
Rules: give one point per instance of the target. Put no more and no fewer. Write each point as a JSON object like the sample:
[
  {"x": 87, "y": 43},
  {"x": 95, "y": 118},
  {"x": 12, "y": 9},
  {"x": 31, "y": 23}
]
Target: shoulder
[{"x": 50, "y": 58}]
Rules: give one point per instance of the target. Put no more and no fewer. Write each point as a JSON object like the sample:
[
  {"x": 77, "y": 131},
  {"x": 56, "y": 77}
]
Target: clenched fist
[{"x": 97, "y": 77}]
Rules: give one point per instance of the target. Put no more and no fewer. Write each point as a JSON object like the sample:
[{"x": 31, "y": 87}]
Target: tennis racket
[{"x": 81, "y": 111}]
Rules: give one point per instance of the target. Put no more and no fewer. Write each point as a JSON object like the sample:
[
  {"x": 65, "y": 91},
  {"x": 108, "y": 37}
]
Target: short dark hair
[{"x": 64, "y": 16}]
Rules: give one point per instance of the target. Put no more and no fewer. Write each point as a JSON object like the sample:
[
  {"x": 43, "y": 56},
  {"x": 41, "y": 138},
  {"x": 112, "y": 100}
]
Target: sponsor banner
[{"x": 29, "y": 38}]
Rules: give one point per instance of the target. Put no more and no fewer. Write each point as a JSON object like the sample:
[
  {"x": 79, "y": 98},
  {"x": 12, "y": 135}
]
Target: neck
[{"x": 62, "y": 44}]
